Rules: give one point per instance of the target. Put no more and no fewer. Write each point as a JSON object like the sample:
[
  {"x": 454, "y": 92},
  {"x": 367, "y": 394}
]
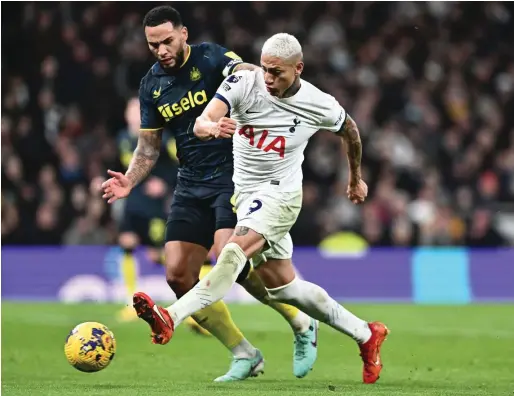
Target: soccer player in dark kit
[{"x": 172, "y": 95}]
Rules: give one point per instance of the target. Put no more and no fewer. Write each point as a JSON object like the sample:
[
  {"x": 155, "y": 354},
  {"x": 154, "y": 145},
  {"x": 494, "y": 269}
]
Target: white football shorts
[{"x": 271, "y": 214}]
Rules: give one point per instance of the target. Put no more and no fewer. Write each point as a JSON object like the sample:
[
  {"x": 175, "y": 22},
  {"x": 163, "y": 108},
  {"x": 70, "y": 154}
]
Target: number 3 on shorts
[{"x": 254, "y": 206}]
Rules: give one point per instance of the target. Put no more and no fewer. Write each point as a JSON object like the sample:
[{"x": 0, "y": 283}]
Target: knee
[
  {"x": 232, "y": 254},
  {"x": 251, "y": 281},
  {"x": 231, "y": 248},
  {"x": 287, "y": 294},
  {"x": 179, "y": 280},
  {"x": 278, "y": 297}
]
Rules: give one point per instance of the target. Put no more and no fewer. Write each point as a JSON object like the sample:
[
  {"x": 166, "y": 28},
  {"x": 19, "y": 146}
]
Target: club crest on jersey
[
  {"x": 195, "y": 74},
  {"x": 296, "y": 122},
  {"x": 255, "y": 206}
]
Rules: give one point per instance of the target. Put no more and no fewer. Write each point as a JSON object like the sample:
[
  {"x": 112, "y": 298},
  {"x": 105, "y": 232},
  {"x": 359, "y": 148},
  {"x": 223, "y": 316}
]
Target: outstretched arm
[
  {"x": 339, "y": 122},
  {"x": 230, "y": 95},
  {"x": 357, "y": 189},
  {"x": 350, "y": 135},
  {"x": 145, "y": 156},
  {"x": 212, "y": 122}
]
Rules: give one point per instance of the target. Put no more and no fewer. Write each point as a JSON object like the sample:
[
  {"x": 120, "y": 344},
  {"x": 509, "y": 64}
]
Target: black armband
[
  {"x": 229, "y": 69},
  {"x": 244, "y": 273}
]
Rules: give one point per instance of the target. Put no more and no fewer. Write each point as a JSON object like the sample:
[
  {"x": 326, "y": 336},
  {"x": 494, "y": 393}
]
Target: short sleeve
[
  {"x": 234, "y": 89},
  {"x": 226, "y": 60},
  {"x": 335, "y": 115},
  {"x": 150, "y": 117}
]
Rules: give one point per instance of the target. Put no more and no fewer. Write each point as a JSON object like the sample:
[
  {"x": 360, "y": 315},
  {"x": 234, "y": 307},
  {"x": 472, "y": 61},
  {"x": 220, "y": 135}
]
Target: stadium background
[{"x": 431, "y": 86}]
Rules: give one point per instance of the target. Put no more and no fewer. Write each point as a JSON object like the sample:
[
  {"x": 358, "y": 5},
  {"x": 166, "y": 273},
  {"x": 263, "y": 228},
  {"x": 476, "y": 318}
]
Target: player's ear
[
  {"x": 298, "y": 68},
  {"x": 185, "y": 33}
]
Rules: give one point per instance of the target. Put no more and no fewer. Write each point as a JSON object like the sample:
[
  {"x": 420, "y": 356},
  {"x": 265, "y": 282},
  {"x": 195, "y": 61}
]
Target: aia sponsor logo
[{"x": 261, "y": 141}]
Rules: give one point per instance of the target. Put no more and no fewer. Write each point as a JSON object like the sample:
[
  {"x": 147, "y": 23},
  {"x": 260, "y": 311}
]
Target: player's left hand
[
  {"x": 225, "y": 128},
  {"x": 357, "y": 192}
]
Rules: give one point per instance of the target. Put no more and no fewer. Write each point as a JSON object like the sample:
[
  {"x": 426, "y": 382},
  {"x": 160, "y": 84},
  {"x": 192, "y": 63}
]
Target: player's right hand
[
  {"x": 225, "y": 128},
  {"x": 117, "y": 187},
  {"x": 357, "y": 192}
]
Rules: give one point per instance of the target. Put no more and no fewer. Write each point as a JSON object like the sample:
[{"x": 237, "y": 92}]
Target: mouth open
[{"x": 166, "y": 61}]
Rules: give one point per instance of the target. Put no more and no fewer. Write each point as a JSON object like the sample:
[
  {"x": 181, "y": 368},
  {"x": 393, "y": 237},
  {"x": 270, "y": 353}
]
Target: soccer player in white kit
[{"x": 273, "y": 113}]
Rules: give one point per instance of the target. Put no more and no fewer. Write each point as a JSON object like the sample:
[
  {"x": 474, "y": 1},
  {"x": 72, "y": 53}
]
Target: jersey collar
[{"x": 188, "y": 51}]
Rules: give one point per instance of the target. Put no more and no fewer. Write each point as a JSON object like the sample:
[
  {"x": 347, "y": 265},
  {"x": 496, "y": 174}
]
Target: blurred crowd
[{"x": 430, "y": 84}]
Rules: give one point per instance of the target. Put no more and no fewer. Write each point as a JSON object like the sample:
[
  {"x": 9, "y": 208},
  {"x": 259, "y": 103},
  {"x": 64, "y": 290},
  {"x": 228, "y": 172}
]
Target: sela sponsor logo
[{"x": 190, "y": 101}]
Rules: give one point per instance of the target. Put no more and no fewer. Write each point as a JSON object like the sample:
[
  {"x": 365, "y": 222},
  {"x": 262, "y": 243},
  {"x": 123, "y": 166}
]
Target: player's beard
[{"x": 179, "y": 60}]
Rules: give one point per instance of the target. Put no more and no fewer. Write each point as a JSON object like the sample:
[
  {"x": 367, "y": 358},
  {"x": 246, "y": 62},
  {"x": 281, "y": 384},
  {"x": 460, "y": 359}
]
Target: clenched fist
[{"x": 357, "y": 192}]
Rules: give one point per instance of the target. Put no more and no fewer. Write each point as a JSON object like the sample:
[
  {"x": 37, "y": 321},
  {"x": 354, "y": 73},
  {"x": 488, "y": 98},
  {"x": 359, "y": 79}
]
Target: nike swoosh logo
[
  {"x": 256, "y": 364},
  {"x": 315, "y": 342},
  {"x": 156, "y": 310},
  {"x": 251, "y": 112}
]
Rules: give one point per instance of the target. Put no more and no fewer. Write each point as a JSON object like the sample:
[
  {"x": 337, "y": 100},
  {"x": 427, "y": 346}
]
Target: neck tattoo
[{"x": 293, "y": 89}]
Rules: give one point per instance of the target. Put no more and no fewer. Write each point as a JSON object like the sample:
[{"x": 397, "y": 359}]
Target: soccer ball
[{"x": 90, "y": 347}]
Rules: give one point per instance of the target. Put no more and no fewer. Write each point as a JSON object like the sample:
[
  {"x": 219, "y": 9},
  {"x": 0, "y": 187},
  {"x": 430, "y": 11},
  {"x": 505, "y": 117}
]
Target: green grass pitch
[{"x": 466, "y": 350}]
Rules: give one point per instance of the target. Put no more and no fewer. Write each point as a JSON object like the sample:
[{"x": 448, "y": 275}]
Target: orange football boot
[
  {"x": 370, "y": 352},
  {"x": 157, "y": 317}
]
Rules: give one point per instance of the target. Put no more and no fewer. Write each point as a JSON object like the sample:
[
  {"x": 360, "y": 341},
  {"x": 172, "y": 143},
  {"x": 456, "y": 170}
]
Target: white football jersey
[{"x": 272, "y": 133}]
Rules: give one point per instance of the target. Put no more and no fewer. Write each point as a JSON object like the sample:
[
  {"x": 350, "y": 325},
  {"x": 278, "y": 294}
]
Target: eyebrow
[
  {"x": 270, "y": 69},
  {"x": 160, "y": 42}
]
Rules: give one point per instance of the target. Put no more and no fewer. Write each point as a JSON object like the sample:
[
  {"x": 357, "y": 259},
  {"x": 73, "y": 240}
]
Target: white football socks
[
  {"x": 244, "y": 350},
  {"x": 213, "y": 286},
  {"x": 315, "y": 302}
]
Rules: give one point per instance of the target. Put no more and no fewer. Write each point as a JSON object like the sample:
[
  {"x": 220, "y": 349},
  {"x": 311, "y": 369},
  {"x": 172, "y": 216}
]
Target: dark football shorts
[{"x": 197, "y": 212}]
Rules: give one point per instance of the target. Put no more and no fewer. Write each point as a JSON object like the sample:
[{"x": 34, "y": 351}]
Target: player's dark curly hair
[{"x": 162, "y": 14}]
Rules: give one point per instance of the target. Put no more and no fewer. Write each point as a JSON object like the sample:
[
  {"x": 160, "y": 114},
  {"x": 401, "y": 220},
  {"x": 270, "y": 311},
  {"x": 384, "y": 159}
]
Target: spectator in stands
[{"x": 431, "y": 86}]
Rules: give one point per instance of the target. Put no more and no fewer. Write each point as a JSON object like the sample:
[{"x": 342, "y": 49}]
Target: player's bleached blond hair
[{"x": 283, "y": 46}]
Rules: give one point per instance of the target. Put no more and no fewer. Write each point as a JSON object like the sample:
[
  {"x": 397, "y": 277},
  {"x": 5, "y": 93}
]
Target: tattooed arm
[
  {"x": 350, "y": 135},
  {"x": 148, "y": 147},
  {"x": 145, "y": 156}
]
